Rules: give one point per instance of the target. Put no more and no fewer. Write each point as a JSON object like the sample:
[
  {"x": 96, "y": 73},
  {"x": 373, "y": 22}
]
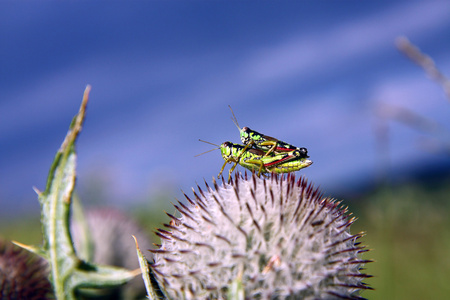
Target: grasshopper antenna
[
  {"x": 234, "y": 119},
  {"x": 218, "y": 147}
]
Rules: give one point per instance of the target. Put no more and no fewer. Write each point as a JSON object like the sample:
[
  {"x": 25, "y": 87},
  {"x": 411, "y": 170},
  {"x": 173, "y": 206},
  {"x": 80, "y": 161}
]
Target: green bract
[{"x": 67, "y": 271}]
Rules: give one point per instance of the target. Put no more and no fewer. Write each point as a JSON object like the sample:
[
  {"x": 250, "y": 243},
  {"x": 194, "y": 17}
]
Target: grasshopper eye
[{"x": 303, "y": 152}]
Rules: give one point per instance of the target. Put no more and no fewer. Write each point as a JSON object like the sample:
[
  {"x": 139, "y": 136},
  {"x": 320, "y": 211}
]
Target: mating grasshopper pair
[{"x": 262, "y": 154}]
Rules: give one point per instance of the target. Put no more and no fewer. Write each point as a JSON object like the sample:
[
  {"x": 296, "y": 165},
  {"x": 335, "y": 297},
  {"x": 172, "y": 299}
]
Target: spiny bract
[{"x": 278, "y": 237}]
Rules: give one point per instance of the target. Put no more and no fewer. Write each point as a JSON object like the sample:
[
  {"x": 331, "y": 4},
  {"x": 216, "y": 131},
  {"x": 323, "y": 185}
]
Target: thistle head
[
  {"x": 109, "y": 242},
  {"x": 23, "y": 275},
  {"x": 278, "y": 238}
]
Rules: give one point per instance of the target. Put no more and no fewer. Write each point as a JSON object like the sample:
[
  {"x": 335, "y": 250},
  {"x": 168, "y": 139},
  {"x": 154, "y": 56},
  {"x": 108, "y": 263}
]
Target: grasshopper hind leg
[
  {"x": 258, "y": 163},
  {"x": 273, "y": 145}
]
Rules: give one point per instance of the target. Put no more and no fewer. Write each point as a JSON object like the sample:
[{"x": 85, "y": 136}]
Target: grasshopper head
[
  {"x": 248, "y": 135},
  {"x": 245, "y": 135},
  {"x": 226, "y": 149}
]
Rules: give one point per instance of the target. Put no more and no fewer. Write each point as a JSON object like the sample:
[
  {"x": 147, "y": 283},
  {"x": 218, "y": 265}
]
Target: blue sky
[{"x": 313, "y": 74}]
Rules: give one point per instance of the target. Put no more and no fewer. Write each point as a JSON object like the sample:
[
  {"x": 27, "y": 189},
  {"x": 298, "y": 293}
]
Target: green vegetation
[
  {"x": 408, "y": 230},
  {"x": 26, "y": 228}
]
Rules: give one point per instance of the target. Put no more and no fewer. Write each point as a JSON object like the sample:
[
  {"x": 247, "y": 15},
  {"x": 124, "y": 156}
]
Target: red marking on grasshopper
[{"x": 281, "y": 160}]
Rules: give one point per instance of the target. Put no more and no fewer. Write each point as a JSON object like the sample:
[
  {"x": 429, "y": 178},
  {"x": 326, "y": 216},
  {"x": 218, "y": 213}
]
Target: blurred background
[{"x": 322, "y": 75}]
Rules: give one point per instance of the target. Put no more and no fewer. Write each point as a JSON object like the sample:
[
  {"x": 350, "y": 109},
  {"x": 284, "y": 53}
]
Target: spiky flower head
[
  {"x": 277, "y": 238},
  {"x": 23, "y": 275},
  {"x": 110, "y": 231}
]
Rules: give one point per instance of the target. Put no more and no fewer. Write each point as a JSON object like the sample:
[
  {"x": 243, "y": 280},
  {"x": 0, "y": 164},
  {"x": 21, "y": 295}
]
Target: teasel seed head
[{"x": 279, "y": 237}]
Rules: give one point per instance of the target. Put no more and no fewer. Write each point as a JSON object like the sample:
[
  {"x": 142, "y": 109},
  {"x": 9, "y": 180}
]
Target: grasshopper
[
  {"x": 266, "y": 143},
  {"x": 256, "y": 161}
]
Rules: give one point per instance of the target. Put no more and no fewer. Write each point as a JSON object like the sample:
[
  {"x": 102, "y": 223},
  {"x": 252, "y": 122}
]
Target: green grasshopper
[
  {"x": 266, "y": 143},
  {"x": 256, "y": 161}
]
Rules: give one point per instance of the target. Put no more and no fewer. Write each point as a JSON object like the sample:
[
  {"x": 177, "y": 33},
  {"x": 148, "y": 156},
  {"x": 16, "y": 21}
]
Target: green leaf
[{"x": 68, "y": 272}]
